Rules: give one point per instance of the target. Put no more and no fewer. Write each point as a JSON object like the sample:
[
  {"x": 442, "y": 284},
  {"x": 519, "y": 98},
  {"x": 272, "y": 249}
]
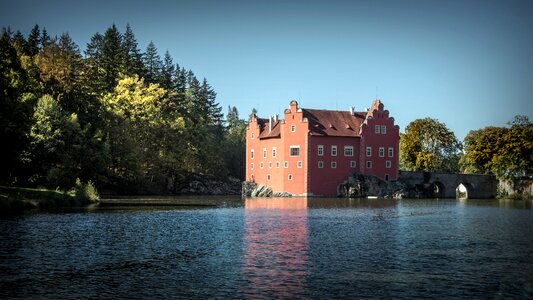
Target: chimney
[
  {"x": 275, "y": 118},
  {"x": 351, "y": 110},
  {"x": 270, "y": 119}
]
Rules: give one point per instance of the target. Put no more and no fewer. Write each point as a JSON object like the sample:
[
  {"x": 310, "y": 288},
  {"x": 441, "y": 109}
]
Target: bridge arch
[
  {"x": 464, "y": 190},
  {"x": 437, "y": 189}
]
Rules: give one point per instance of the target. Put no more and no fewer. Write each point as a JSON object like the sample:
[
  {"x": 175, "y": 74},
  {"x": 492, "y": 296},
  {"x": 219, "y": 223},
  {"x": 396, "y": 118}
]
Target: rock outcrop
[
  {"x": 362, "y": 186},
  {"x": 254, "y": 190}
]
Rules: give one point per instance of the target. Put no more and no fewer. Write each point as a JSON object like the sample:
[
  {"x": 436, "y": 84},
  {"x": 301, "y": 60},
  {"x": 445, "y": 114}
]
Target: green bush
[{"x": 85, "y": 192}]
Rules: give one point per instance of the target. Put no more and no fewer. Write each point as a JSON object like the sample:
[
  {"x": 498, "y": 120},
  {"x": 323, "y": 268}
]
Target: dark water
[{"x": 274, "y": 248}]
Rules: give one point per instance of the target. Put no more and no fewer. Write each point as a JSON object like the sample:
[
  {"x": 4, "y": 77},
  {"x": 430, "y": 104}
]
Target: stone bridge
[{"x": 444, "y": 185}]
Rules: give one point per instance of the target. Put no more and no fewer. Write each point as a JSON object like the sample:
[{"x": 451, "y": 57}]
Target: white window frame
[
  {"x": 353, "y": 164},
  {"x": 252, "y": 154},
  {"x": 320, "y": 150},
  {"x": 264, "y": 152},
  {"x": 377, "y": 129},
  {"x": 251, "y": 166},
  {"x": 273, "y": 151},
  {"x": 391, "y": 151},
  {"x": 368, "y": 151},
  {"x": 381, "y": 151},
  {"x": 286, "y": 164},
  {"x": 261, "y": 165},
  {"x": 293, "y": 128},
  {"x": 346, "y": 148},
  {"x": 268, "y": 177},
  {"x": 320, "y": 164},
  {"x": 270, "y": 165},
  {"x": 252, "y": 135},
  {"x": 289, "y": 177},
  {"x": 334, "y": 165},
  {"x": 388, "y": 164},
  {"x": 333, "y": 150},
  {"x": 383, "y": 129},
  {"x": 299, "y": 164},
  {"x": 294, "y": 147},
  {"x": 369, "y": 164},
  {"x": 277, "y": 164}
]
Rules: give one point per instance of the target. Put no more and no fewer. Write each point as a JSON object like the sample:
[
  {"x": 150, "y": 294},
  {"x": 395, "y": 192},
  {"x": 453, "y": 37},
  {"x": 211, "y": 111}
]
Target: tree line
[
  {"x": 507, "y": 152},
  {"x": 127, "y": 120}
]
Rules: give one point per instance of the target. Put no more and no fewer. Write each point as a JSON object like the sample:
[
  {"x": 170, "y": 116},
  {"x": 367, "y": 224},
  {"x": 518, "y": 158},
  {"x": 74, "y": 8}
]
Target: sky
[{"x": 467, "y": 63}]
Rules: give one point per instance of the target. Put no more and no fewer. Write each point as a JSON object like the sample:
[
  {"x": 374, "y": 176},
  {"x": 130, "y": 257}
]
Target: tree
[
  {"x": 152, "y": 64},
  {"x": 132, "y": 64},
  {"x": 33, "y": 40},
  {"x": 429, "y": 145},
  {"x": 112, "y": 57},
  {"x": 504, "y": 151}
]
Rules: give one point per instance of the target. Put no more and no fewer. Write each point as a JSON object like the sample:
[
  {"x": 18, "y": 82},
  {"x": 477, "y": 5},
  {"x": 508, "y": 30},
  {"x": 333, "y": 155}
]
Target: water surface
[{"x": 282, "y": 248}]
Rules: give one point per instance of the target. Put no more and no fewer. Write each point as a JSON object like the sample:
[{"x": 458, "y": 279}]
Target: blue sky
[{"x": 468, "y": 64}]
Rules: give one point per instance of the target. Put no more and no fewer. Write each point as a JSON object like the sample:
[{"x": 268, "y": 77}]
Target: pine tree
[
  {"x": 152, "y": 64},
  {"x": 93, "y": 65},
  {"x": 167, "y": 73},
  {"x": 33, "y": 40},
  {"x": 132, "y": 64},
  {"x": 45, "y": 38},
  {"x": 112, "y": 57}
]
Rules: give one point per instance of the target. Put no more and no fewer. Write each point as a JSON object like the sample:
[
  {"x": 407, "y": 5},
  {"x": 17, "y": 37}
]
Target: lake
[{"x": 273, "y": 248}]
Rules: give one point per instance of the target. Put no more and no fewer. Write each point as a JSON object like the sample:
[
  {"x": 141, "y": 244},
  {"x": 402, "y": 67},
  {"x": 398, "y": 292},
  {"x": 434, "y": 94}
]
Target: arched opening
[
  {"x": 437, "y": 190},
  {"x": 463, "y": 191}
]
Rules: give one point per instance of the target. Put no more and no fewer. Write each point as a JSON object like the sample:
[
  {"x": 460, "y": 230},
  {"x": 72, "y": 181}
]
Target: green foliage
[
  {"x": 124, "y": 120},
  {"x": 504, "y": 151},
  {"x": 429, "y": 145},
  {"x": 85, "y": 192}
]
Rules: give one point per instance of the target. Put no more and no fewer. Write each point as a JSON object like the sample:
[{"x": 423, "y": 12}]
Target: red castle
[{"x": 311, "y": 151}]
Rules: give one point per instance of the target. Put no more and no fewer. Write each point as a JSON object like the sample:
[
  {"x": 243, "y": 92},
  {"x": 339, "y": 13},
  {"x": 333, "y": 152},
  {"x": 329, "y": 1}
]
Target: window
[
  {"x": 353, "y": 164},
  {"x": 299, "y": 164},
  {"x": 388, "y": 164},
  {"x": 286, "y": 165},
  {"x": 261, "y": 165},
  {"x": 369, "y": 165},
  {"x": 381, "y": 151},
  {"x": 252, "y": 166},
  {"x": 376, "y": 129},
  {"x": 293, "y": 128},
  {"x": 334, "y": 150},
  {"x": 383, "y": 129},
  {"x": 320, "y": 164},
  {"x": 273, "y": 151},
  {"x": 290, "y": 176},
  {"x": 252, "y": 154},
  {"x": 277, "y": 164},
  {"x": 391, "y": 152},
  {"x": 320, "y": 150},
  {"x": 252, "y": 135},
  {"x": 268, "y": 177},
  {"x": 295, "y": 151},
  {"x": 264, "y": 152},
  {"x": 333, "y": 164},
  {"x": 386, "y": 177},
  {"x": 348, "y": 150},
  {"x": 368, "y": 151},
  {"x": 270, "y": 165}
]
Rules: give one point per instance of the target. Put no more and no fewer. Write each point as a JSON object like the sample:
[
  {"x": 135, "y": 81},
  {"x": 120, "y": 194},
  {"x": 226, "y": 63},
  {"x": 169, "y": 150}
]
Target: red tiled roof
[
  {"x": 264, "y": 132},
  {"x": 333, "y": 123}
]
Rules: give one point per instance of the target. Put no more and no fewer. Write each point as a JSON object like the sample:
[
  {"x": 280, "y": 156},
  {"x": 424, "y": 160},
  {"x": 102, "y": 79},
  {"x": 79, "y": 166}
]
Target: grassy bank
[{"x": 14, "y": 200}]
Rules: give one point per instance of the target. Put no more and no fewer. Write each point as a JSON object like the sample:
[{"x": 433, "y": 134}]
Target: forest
[{"x": 126, "y": 120}]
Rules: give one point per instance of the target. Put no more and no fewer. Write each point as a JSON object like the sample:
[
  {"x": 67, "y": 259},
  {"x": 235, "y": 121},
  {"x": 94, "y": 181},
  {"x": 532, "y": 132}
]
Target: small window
[
  {"x": 277, "y": 164},
  {"x": 252, "y": 166},
  {"x": 381, "y": 151},
  {"x": 376, "y": 129},
  {"x": 391, "y": 152},
  {"x": 273, "y": 151},
  {"x": 386, "y": 177},
  {"x": 333, "y": 164},
  {"x": 383, "y": 129},
  {"x": 353, "y": 164},
  {"x": 348, "y": 150},
  {"x": 334, "y": 150},
  {"x": 252, "y": 154},
  {"x": 368, "y": 151},
  {"x": 320, "y": 164},
  {"x": 252, "y": 135},
  {"x": 290, "y": 176},
  {"x": 264, "y": 152},
  {"x": 299, "y": 164},
  {"x": 286, "y": 165},
  {"x": 295, "y": 151},
  {"x": 268, "y": 177},
  {"x": 293, "y": 128},
  {"x": 261, "y": 165},
  {"x": 320, "y": 150},
  {"x": 388, "y": 164},
  {"x": 270, "y": 165},
  {"x": 369, "y": 165}
]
